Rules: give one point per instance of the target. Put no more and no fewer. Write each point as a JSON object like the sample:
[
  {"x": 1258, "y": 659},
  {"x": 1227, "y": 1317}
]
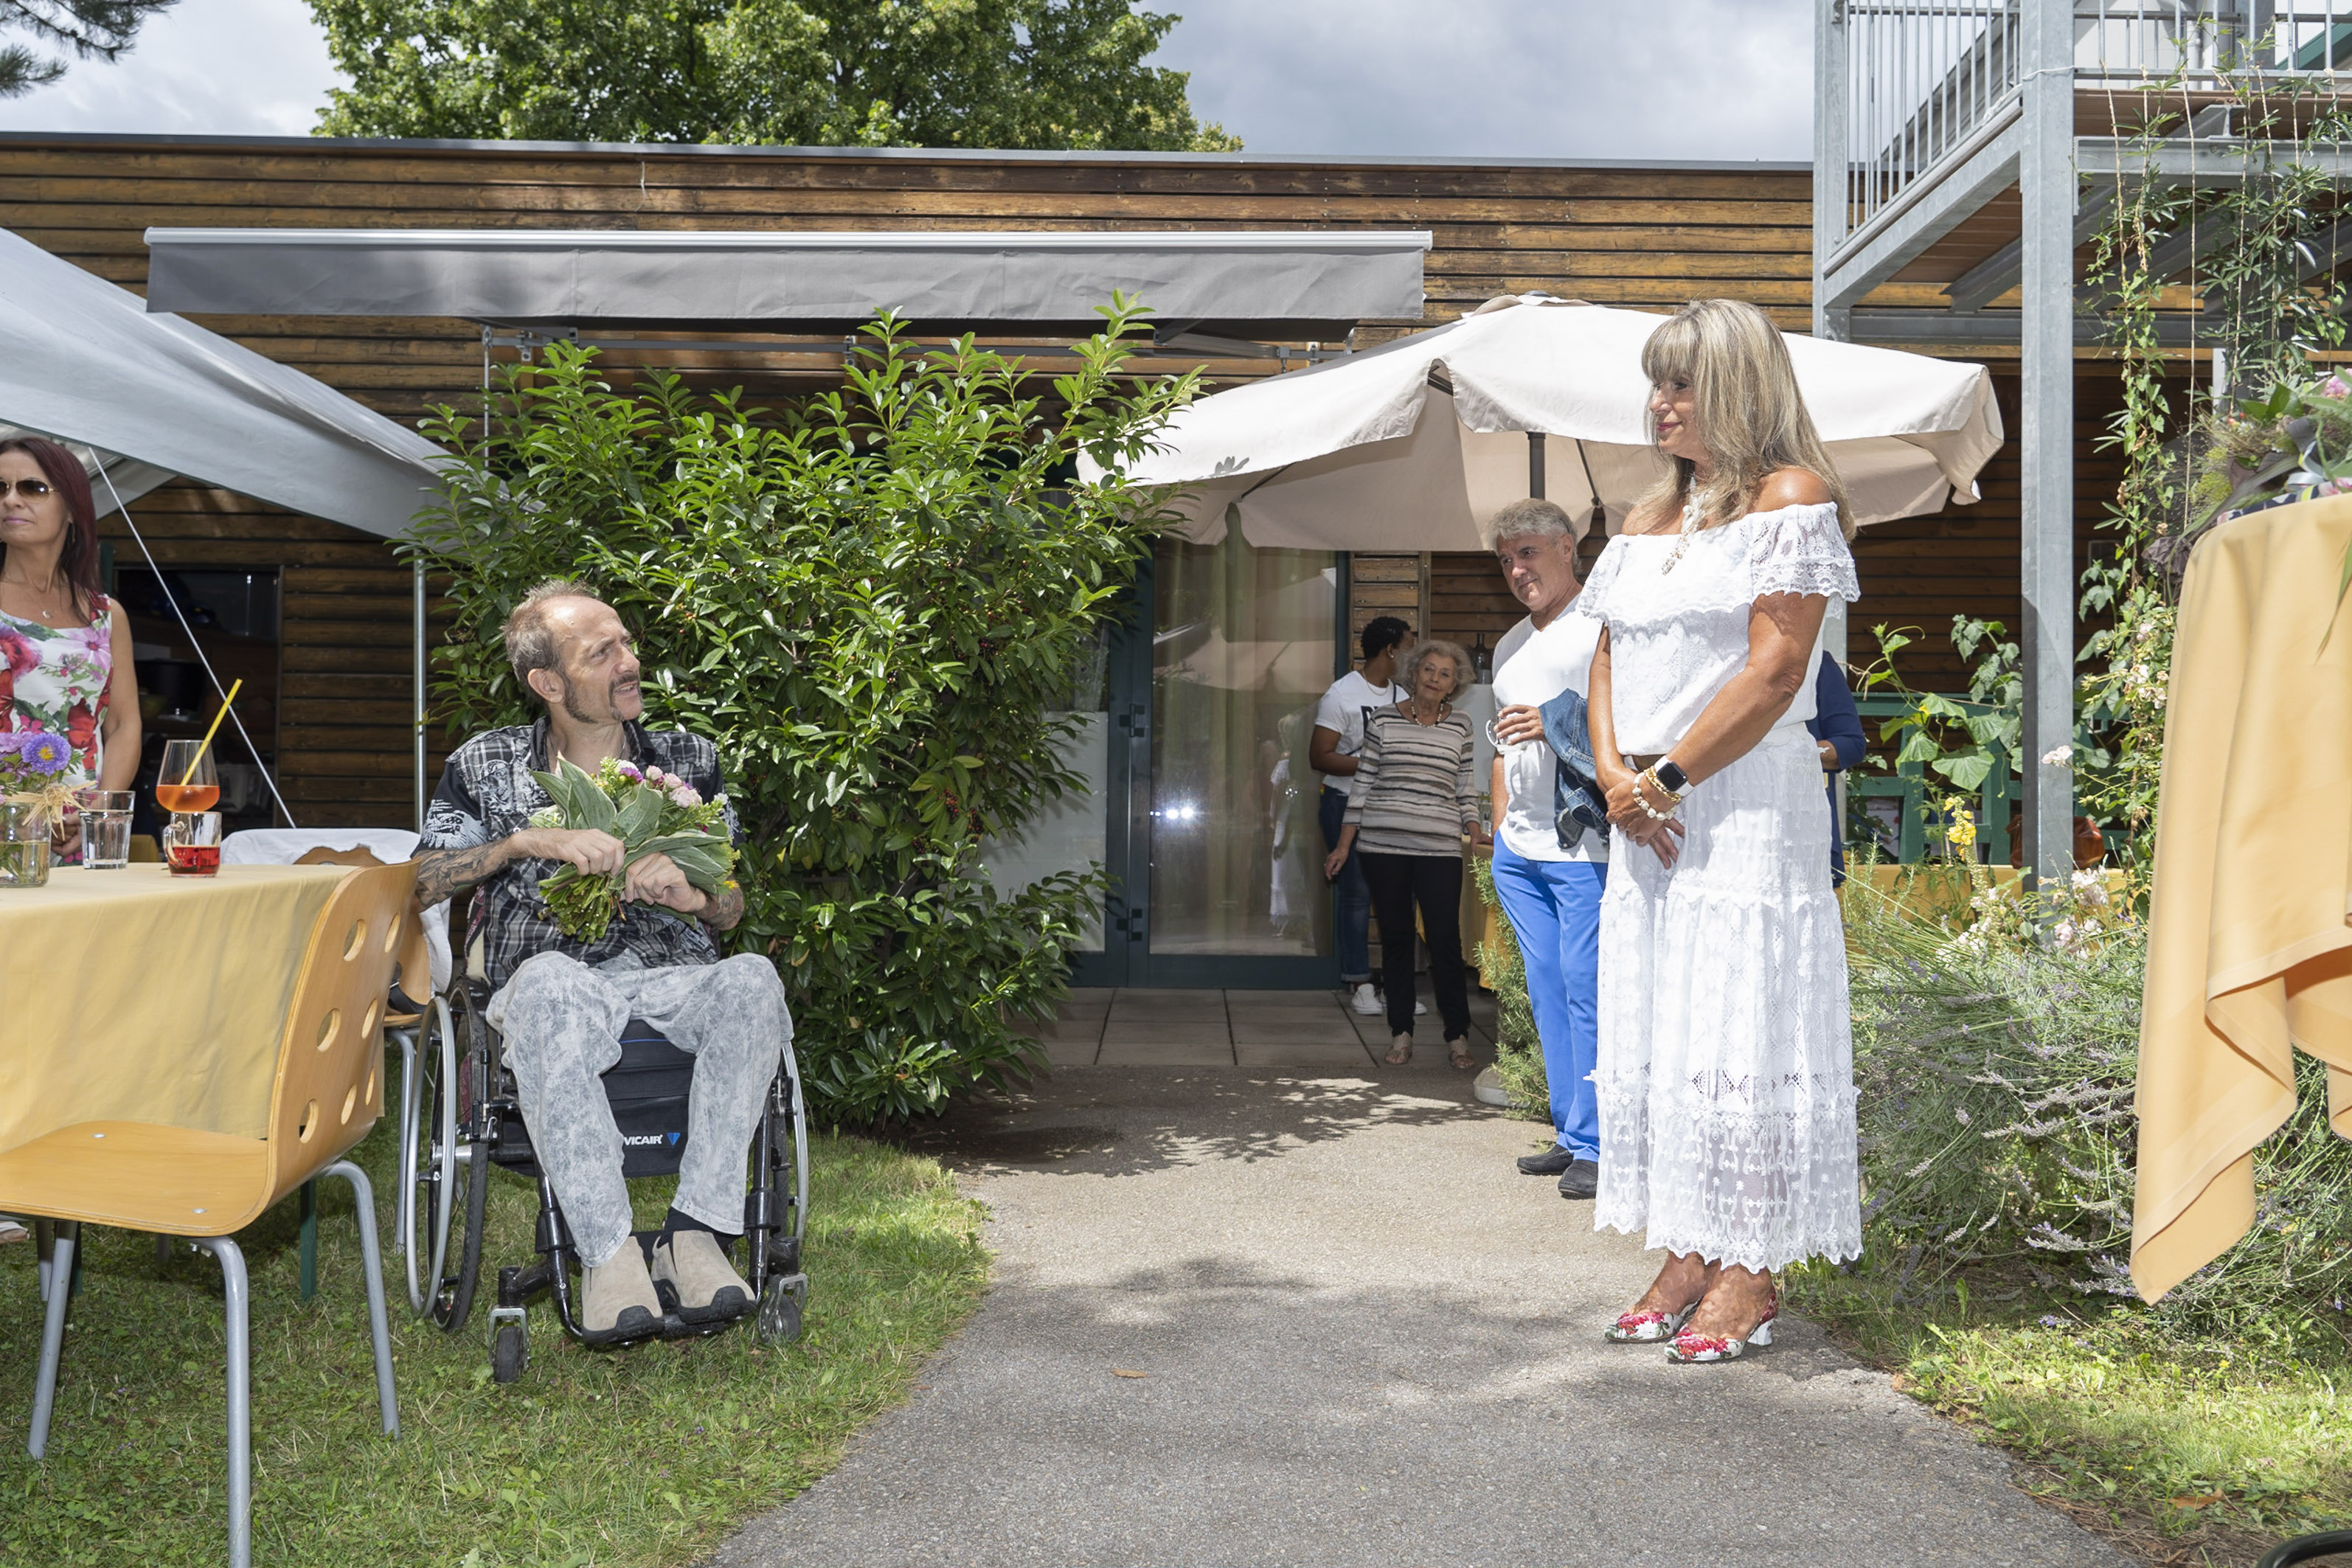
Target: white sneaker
[{"x": 1365, "y": 1002}]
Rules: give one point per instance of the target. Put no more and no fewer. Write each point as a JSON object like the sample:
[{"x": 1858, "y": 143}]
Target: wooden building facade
[{"x": 1646, "y": 236}]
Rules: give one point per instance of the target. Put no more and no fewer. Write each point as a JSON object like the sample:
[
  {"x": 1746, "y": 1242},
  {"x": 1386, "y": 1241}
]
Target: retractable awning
[
  {"x": 87, "y": 363},
  {"x": 1291, "y": 286}
]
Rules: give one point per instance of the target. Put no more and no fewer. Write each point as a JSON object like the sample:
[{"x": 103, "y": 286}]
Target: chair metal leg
[
  {"x": 240, "y": 1398},
  {"x": 404, "y": 1197},
  {"x": 372, "y": 1260},
  {"x": 53, "y": 1337},
  {"x": 309, "y": 1243}
]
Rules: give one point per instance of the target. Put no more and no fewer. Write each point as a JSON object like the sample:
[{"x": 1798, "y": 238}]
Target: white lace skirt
[{"x": 1726, "y": 1070}]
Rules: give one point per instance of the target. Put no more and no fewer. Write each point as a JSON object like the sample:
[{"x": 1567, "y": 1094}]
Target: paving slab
[
  {"x": 1363, "y": 1339},
  {"x": 1155, "y": 1050}
]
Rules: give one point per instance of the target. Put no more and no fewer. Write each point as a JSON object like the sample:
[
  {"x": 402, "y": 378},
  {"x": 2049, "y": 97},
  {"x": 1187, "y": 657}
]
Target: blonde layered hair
[{"x": 1751, "y": 418}]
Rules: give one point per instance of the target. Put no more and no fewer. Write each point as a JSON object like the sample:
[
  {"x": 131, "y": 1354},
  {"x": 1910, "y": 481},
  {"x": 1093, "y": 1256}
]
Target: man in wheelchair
[{"x": 562, "y": 1004}]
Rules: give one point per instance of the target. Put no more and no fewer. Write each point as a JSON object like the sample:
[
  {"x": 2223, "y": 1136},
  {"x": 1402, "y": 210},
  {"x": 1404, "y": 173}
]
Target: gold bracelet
[{"x": 1648, "y": 777}]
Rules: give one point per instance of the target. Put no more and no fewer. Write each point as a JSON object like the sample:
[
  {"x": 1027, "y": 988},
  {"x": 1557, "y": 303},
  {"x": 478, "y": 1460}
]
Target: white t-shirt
[
  {"x": 1531, "y": 667},
  {"x": 1342, "y": 708}
]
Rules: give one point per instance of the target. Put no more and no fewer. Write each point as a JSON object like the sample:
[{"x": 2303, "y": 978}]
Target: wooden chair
[{"x": 206, "y": 1186}]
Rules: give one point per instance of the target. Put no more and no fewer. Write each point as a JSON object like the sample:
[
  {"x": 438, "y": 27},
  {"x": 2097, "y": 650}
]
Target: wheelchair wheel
[
  {"x": 782, "y": 1304},
  {"x": 451, "y": 1171}
]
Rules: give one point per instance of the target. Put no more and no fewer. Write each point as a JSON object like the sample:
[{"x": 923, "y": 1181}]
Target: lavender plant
[{"x": 1996, "y": 1072}]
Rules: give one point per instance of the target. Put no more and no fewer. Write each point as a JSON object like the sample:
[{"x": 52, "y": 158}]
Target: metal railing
[
  {"x": 1927, "y": 79},
  {"x": 1923, "y": 76}
]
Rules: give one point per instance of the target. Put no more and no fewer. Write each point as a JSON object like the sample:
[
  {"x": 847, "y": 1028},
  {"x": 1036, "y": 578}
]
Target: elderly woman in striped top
[{"x": 1410, "y": 810}]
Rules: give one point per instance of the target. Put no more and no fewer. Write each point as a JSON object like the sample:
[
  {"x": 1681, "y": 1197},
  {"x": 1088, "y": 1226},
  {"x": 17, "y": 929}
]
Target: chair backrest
[
  {"x": 415, "y": 964},
  {"x": 330, "y": 1086}
]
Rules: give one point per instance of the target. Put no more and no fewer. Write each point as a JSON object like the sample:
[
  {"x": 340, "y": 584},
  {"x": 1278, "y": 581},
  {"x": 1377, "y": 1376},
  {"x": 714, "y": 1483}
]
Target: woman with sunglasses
[{"x": 65, "y": 654}]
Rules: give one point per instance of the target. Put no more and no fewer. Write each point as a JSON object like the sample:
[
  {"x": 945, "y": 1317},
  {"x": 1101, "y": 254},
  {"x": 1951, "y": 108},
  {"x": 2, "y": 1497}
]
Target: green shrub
[
  {"x": 1518, "y": 1053},
  {"x": 1995, "y": 1076},
  {"x": 874, "y": 602}
]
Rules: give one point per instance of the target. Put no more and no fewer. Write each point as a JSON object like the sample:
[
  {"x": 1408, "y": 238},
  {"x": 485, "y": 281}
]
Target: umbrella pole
[
  {"x": 1536, "y": 464},
  {"x": 418, "y": 738}
]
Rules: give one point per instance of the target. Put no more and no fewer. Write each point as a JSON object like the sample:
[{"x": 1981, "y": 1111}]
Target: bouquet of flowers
[
  {"x": 651, "y": 813},
  {"x": 33, "y": 765}
]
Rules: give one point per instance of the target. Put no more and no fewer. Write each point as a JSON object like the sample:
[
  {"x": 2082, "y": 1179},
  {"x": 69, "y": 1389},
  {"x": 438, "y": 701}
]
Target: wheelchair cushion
[{"x": 648, "y": 1090}]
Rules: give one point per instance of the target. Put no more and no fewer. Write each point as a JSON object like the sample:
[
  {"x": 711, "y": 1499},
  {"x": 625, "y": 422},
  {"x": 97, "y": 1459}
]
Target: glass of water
[{"x": 105, "y": 828}]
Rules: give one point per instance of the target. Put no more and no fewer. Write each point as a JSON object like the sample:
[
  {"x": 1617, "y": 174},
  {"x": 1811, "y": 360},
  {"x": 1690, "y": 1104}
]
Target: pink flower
[
  {"x": 22, "y": 655},
  {"x": 629, "y": 771},
  {"x": 685, "y": 794},
  {"x": 2334, "y": 387}
]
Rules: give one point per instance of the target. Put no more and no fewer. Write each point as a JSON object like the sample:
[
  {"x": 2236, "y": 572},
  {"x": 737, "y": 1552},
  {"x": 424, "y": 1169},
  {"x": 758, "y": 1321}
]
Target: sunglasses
[{"x": 31, "y": 489}]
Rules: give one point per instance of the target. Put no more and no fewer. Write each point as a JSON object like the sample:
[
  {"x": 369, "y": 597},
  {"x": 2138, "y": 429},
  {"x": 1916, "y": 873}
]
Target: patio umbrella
[{"x": 1416, "y": 443}]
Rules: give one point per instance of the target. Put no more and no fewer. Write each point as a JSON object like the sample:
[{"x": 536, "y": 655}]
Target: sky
[{"x": 1516, "y": 79}]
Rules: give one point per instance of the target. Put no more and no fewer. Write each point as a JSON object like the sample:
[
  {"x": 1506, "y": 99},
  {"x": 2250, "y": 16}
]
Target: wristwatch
[{"x": 1671, "y": 775}]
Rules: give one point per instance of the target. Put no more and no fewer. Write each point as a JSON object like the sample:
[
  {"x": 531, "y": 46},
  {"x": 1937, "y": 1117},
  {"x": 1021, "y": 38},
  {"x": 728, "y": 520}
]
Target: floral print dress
[{"x": 58, "y": 680}]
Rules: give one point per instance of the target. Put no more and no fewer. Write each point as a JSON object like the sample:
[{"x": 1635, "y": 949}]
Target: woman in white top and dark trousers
[
  {"x": 1549, "y": 891},
  {"x": 1726, "y": 1073},
  {"x": 1411, "y": 808}
]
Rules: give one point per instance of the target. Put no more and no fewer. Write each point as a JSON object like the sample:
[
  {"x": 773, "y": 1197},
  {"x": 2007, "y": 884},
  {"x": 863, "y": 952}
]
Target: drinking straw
[{"x": 233, "y": 687}]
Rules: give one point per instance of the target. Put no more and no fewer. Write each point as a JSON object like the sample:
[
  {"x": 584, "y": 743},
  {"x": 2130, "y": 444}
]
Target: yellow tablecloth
[
  {"x": 137, "y": 996},
  {"x": 2250, "y": 951}
]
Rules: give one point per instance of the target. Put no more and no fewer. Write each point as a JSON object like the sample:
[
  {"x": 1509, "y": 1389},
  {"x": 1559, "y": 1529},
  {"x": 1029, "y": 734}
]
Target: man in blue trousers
[{"x": 1550, "y": 893}]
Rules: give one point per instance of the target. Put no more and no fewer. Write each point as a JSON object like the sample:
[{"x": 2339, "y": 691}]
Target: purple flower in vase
[{"x": 43, "y": 754}]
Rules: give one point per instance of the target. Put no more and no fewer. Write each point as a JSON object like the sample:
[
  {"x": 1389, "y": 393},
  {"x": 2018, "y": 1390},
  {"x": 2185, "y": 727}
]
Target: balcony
[{"x": 1965, "y": 153}]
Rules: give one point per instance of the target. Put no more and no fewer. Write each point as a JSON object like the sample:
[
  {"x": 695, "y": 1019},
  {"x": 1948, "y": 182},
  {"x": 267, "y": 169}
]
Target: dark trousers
[
  {"x": 1351, "y": 906},
  {"x": 1434, "y": 882}
]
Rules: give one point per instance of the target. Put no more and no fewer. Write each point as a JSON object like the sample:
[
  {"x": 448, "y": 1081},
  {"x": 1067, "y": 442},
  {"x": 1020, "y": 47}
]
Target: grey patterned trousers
[{"x": 562, "y": 1024}]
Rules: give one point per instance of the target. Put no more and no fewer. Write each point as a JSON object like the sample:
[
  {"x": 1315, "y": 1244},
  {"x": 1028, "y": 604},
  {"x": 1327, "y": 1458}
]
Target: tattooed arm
[{"x": 441, "y": 873}]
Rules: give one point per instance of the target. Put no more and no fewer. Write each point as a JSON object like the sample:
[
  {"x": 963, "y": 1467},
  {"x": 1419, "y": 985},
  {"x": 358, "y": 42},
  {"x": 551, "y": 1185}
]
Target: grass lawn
[
  {"x": 644, "y": 1457},
  {"x": 2181, "y": 1452}
]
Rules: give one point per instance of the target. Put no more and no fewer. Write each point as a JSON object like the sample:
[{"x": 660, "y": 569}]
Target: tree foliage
[
  {"x": 92, "y": 29},
  {"x": 874, "y": 602},
  {"x": 878, "y": 73}
]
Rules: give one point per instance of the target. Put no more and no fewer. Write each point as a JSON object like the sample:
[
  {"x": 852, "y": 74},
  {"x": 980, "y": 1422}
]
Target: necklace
[
  {"x": 40, "y": 596},
  {"x": 1690, "y": 532}
]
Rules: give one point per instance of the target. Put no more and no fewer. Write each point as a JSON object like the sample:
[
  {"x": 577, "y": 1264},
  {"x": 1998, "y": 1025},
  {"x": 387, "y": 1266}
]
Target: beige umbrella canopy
[{"x": 1415, "y": 445}]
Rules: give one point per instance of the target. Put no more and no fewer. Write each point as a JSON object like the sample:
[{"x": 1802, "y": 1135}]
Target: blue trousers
[
  {"x": 1554, "y": 907},
  {"x": 1351, "y": 896}
]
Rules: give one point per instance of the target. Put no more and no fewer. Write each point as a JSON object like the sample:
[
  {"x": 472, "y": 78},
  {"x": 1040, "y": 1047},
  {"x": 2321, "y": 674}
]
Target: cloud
[
  {"x": 1728, "y": 79},
  {"x": 204, "y": 66}
]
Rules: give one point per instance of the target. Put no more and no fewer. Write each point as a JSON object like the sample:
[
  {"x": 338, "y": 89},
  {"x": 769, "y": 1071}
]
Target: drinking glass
[
  {"x": 186, "y": 781},
  {"x": 105, "y": 828},
  {"x": 191, "y": 842}
]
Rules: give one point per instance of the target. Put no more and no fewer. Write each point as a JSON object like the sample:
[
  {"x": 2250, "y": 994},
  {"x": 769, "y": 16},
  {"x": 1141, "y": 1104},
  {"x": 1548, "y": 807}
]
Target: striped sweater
[{"x": 1412, "y": 793}]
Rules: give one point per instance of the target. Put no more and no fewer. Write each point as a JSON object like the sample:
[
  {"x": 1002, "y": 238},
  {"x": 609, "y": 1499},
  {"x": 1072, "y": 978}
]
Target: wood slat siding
[
  {"x": 345, "y": 656},
  {"x": 1649, "y": 237}
]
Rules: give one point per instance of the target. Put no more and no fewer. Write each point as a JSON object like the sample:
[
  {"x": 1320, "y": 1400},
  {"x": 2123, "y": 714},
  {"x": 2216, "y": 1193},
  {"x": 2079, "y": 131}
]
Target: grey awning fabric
[
  {"x": 1290, "y": 286},
  {"x": 88, "y": 364}
]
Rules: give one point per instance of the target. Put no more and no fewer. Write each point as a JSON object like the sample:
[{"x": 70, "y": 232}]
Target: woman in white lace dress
[{"x": 1725, "y": 1077}]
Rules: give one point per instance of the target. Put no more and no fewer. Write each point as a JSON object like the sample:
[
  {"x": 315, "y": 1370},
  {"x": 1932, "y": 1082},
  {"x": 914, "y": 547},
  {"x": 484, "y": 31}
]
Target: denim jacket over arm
[{"x": 1577, "y": 802}]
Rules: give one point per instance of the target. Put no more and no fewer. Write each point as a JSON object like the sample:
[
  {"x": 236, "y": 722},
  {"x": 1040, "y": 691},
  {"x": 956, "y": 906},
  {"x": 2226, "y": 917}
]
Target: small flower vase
[{"x": 24, "y": 843}]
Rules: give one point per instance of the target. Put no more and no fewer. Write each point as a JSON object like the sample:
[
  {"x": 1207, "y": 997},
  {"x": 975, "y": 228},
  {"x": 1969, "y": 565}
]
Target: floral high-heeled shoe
[
  {"x": 1688, "y": 1349},
  {"x": 1647, "y": 1327}
]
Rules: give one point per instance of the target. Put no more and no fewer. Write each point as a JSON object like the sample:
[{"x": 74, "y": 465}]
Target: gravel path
[{"x": 1363, "y": 1339}]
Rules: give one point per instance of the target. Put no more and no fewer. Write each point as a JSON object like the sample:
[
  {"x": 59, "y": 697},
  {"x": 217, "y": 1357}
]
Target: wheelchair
[{"x": 461, "y": 1122}]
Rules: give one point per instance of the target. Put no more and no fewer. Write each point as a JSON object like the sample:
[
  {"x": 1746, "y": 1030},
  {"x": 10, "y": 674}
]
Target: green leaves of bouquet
[{"x": 651, "y": 813}]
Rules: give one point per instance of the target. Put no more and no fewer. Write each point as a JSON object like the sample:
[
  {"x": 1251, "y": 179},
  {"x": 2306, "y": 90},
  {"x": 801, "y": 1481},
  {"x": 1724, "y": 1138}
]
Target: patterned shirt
[
  {"x": 488, "y": 794},
  {"x": 1413, "y": 794}
]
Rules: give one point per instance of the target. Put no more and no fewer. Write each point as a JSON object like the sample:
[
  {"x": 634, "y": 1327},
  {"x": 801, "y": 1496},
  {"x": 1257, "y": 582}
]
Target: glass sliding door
[{"x": 1242, "y": 647}]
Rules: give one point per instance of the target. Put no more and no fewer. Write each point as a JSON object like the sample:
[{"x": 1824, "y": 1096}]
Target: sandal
[
  {"x": 1458, "y": 1051},
  {"x": 1401, "y": 1052},
  {"x": 13, "y": 1230}
]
